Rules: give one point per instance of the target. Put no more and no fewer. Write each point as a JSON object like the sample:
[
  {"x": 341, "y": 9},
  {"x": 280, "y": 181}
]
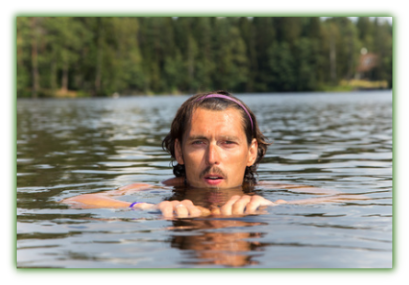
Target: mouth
[{"x": 213, "y": 179}]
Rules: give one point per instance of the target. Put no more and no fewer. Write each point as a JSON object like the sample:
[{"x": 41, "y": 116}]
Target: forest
[{"x": 102, "y": 56}]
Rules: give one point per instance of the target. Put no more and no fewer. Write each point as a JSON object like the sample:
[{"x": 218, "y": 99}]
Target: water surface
[{"x": 339, "y": 141}]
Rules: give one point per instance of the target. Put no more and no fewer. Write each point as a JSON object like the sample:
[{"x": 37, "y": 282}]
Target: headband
[{"x": 228, "y": 98}]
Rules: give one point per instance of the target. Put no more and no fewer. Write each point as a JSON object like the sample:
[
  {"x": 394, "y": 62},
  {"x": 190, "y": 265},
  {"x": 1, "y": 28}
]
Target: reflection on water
[
  {"x": 70, "y": 147},
  {"x": 219, "y": 246}
]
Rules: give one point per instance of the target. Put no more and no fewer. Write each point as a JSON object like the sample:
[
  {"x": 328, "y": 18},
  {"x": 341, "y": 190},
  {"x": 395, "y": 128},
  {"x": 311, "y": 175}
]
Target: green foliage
[
  {"x": 307, "y": 60},
  {"x": 281, "y": 67},
  {"x": 23, "y": 81},
  {"x": 100, "y": 56}
]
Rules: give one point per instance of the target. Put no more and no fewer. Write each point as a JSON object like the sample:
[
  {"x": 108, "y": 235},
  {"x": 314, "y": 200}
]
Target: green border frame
[{"x": 201, "y": 8}]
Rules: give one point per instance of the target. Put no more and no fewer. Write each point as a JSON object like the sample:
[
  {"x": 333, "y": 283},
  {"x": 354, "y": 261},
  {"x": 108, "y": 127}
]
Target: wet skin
[
  {"x": 215, "y": 153},
  {"x": 214, "y": 149}
]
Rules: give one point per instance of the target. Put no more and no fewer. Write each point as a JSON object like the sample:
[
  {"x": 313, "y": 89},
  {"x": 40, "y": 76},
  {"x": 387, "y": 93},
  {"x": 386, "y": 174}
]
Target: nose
[{"x": 213, "y": 154}]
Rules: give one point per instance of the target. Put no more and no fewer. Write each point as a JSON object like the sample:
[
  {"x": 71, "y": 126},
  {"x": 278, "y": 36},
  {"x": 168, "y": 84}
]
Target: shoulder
[{"x": 175, "y": 181}]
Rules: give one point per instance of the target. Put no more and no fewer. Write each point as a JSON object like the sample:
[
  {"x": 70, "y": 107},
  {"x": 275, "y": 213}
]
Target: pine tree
[
  {"x": 247, "y": 32},
  {"x": 265, "y": 36}
]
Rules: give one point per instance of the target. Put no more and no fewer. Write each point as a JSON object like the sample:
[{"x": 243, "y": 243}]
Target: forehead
[{"x": 228, "y": 121}]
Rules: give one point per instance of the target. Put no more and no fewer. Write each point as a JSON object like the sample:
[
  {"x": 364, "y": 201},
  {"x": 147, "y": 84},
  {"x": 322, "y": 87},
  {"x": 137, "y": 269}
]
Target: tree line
[{"x": 100, "y": 56}]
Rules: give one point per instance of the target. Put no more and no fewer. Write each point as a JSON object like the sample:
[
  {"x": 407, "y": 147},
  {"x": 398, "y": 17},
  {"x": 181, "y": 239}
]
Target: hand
[
  {"x": 239, "y": 205},
  {"x": 181, "y": 209}
]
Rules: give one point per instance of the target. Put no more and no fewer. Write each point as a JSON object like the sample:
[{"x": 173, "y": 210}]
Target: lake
[{"x": 339, "y": 141}]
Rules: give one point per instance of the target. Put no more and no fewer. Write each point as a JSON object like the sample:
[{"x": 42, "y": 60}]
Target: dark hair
[{"x": 183, "y": 118}]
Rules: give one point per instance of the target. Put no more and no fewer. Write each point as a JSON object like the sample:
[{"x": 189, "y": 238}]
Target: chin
[{"x": 218, "y": 187}]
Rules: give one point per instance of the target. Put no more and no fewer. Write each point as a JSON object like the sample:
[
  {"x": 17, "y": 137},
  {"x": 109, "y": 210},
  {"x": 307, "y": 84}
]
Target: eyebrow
[
  {"x": 201, "y": 137},
  {"x": 198, "y": 137}
]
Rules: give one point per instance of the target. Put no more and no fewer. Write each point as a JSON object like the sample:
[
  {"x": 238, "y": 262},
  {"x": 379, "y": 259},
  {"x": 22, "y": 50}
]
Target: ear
[
  {"x": 252, "y": 155},
  {"x": 178, "y": 152}
]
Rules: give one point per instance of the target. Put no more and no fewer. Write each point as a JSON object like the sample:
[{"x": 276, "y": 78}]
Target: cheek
[
  {"x": 240, "y": 156},
  {"x": 193, "y": 158}
]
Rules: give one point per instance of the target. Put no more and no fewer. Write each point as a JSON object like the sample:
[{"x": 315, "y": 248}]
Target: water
[{"x": 337, "y": 141}]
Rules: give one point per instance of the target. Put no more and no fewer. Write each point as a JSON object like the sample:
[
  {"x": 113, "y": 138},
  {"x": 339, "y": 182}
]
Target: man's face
[{"x": 215, "y": 150}]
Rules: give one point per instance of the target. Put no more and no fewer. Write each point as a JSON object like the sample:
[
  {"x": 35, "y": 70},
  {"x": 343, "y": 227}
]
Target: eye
[
  {"x": 197, "y": 142},
  {"x": 229, "y": 143}
]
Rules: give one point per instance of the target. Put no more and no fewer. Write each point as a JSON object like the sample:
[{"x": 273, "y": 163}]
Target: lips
[{"x": 213, "y": 179}]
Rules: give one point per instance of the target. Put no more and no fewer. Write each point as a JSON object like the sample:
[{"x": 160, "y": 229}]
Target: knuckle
[
  {"x": 239, "y": 207},
  {"x": 251, "y": 207},
  {"x": 257, "y": 197},
  {"x": 224, "y": 207},
  {"x": 195, "y": 212},
  {"x": 252, "y": 204},
  {"x": 236, "y": 206},
  {"x": 187, "y": 202},
  {"x": 245, "y": 198}
]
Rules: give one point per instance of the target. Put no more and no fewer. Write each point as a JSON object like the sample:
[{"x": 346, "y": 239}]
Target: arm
[
  {"x": 169, "y": 209},
  {"x": 245, "y": 205},
  {"x": 331, "y": 195},
  {"x": 105, "y": 199},
  {"x": 298, "y": 188},
  {"x": 248, "y": 205}
]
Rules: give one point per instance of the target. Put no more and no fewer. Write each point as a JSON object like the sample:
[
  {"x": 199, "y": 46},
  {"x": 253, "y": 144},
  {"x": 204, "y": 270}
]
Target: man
[{"x": 216, "y": 142}]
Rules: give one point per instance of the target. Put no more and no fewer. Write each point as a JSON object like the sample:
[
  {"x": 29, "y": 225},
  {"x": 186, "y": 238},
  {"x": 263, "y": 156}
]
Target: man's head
[{"x": 216, "y": 141}]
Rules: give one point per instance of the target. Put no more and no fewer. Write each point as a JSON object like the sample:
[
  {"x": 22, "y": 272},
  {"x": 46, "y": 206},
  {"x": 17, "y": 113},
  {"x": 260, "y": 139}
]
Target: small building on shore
[{"x": 367, "y": 62}]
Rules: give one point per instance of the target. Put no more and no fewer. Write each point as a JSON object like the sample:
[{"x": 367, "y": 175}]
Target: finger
[
  {"x": 253, "y": 205},
  {"x": 186, "y": 203},
  {"x": 214, "y": 210},
  {"x": 203, "y": 211},
  {"x": 256, "y": 203},
  {"x": 193, "y": 211},
  {"x": 166, "y": 208},
  {"x": 238, "y": 207},
  {"x": 181, "y": 211},
  {"x": 226, "y": 209}
]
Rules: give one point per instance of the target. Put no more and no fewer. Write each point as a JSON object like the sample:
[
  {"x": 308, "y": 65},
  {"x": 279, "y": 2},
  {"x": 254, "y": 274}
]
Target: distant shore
[{"x": 344, "y": 86}]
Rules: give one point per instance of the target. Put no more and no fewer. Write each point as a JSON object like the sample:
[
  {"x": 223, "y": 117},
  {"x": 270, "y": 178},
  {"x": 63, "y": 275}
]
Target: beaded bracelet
[{"x": 134, "y": 203}]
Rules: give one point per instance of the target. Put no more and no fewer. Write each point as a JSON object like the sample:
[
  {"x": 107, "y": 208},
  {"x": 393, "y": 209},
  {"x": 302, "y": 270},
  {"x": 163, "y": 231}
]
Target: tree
[
  {"x": 66, "y": 36},
  {"x": 102, "y": 55},
  {"x": 36, "y": 31},
  {"x": 173, "y": 62},
  {"x": 281, "y": 63},
  {"x": 382, "y": 37},
  {"x": 313, "y": 31},
  {"x": 366, "y": 31},
  {"x": 265, "y": 36},
  {"x": 288, "y": 29},
  {"x": 202, "y": 32},
  {"x": 23, "y": 54},
  {"x": 306, "y": 64},
  {"x": 230, "y": 57},
  {"x": 247, "y": 31}
]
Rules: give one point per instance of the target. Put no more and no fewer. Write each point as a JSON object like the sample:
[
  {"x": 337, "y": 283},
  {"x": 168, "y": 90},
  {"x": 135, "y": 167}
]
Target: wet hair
[{"x": 183, "y": 118}]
